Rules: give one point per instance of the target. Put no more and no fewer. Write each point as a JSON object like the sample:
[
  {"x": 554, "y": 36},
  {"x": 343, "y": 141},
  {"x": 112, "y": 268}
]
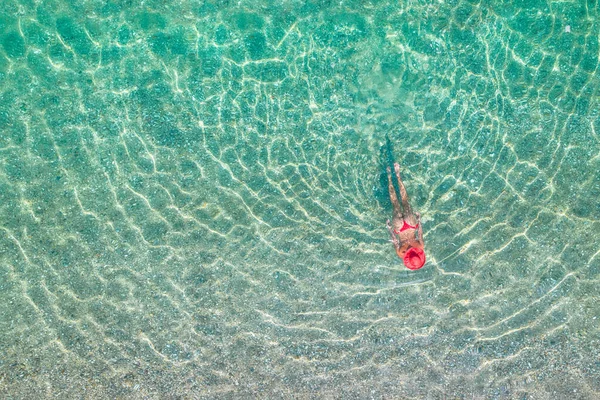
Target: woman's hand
[
  {"x": 394, "y": 238},
  {"x": 420, "y": 231}
]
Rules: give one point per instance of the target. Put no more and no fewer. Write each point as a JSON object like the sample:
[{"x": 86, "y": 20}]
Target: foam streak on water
[{"x": 193, "y": 201}]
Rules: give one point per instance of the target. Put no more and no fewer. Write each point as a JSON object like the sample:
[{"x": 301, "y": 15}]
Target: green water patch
[
  {"x": 74, "y": 35},
  {"x": 13, "y": 44}
]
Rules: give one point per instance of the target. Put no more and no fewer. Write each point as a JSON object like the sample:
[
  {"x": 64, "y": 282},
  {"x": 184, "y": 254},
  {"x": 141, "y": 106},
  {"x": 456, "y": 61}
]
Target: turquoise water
[{"x": 193, "y": 202}]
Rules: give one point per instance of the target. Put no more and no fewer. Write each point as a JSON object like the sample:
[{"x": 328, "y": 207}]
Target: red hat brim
[{"x": 414, "y": 258}]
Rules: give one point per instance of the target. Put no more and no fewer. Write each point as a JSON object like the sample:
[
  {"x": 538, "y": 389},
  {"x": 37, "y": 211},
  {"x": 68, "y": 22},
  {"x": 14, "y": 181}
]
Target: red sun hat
[{"x": 414, "y": 258}]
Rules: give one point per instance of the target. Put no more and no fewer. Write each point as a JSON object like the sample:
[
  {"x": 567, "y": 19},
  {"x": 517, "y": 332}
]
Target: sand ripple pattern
[{"x": 191, "y": 199}]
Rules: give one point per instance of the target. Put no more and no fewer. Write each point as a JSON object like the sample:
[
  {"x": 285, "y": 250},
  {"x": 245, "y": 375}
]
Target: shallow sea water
[{"x": 193, "y": 201}]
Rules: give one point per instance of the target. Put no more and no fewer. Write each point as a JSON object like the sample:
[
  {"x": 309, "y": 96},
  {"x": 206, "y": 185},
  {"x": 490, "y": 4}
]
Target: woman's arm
[
  {"x": 420, "y": 238},
  {"x": 394, "y": 240}
]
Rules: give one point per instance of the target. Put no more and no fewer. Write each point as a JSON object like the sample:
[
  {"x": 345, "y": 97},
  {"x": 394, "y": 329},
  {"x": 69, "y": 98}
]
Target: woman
[{"x": 405, "y": 224}]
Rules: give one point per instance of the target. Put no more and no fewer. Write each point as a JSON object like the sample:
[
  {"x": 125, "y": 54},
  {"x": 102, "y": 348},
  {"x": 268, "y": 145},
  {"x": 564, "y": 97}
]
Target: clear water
[{"x": 193, "y": 202}]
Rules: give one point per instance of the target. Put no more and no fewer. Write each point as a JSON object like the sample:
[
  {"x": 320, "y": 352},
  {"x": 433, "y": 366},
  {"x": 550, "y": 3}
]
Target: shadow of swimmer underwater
[{"x": 405, "y": 228}]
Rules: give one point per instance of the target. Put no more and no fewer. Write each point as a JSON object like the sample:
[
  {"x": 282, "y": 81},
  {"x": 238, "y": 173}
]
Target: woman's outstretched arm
[
  {"x": 394, "y": 240},
  {"x": 420, "y": 239}
]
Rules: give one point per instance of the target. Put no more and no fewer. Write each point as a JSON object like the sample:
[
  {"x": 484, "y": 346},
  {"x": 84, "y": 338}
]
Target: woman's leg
[
  {"x": 405, "y": 205},
  {"x": 393, "y": 197}
]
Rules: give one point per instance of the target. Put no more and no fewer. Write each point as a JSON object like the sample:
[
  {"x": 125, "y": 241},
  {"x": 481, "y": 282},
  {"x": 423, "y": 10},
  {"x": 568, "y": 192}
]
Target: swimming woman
[{"x": 405, "y": 227}]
